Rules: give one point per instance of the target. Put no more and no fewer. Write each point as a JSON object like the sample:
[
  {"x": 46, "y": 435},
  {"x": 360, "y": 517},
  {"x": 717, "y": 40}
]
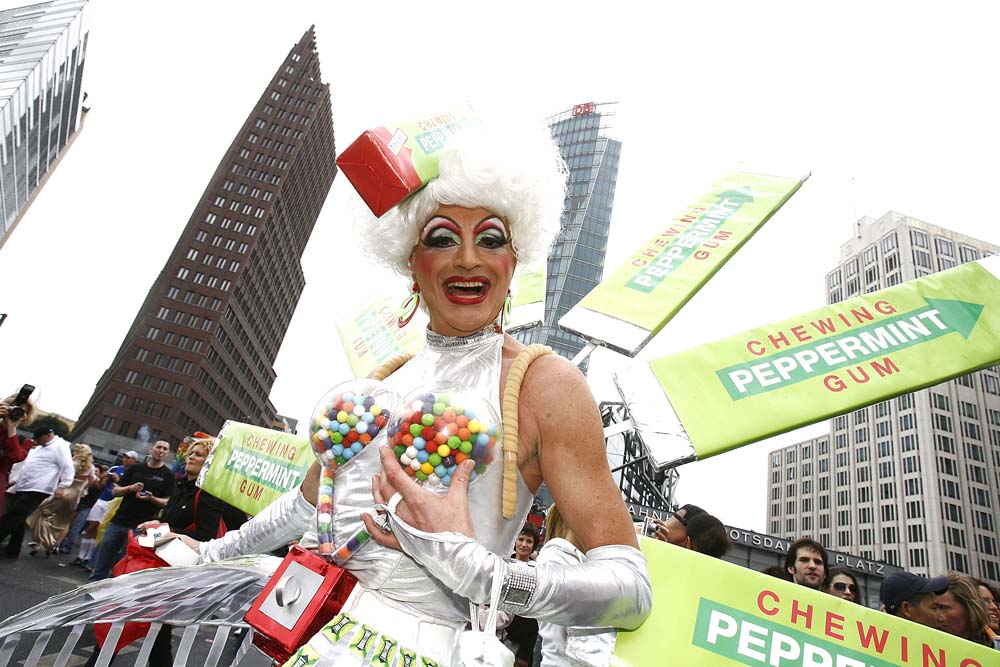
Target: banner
[
  {"x": 527, "y": 301},
  {"x": 710, "y": 613},
  {"x": 836, "y": 359},
  {"x": 371, "y": 336},
  {"x": 250, "y": 466},
  {"x": 631, "y": 306}
]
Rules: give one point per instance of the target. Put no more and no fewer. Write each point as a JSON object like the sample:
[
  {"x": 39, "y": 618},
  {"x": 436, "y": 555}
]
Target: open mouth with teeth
[{"x": 466, "y": 290}]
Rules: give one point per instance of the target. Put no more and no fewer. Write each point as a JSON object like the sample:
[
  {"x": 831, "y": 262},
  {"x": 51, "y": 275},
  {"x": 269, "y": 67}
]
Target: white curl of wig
[{"x": 519, "y": 176}]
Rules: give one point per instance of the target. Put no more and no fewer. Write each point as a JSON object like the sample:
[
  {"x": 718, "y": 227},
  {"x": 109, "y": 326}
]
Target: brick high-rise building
[
  {"x": 202, "y": 346},
  {"x": 914, "y": 480},
  {"x": 42, "y": 52}
]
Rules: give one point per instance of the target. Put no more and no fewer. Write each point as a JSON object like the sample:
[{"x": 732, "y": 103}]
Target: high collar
[{"x": 437, "y": 341}]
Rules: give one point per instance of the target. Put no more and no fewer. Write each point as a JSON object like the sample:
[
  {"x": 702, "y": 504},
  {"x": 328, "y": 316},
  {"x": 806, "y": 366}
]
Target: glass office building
[
  {"x": 576, "y": 261},
  {"x": 42, "y": 51}
]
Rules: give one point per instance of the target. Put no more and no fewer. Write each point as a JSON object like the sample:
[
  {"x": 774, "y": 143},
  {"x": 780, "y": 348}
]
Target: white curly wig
[{"x": 520, "y": 177}]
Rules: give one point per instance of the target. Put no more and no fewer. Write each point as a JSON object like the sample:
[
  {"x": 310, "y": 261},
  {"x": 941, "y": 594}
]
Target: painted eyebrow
[
  {"x": 492, "y": 222},
  {"x": 437, "y": 222}
]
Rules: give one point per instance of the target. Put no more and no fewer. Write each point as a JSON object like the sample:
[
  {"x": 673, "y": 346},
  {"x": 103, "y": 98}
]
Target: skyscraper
[
  {"x": 914, "y": 480},
  {"x": 202, "y": 346},
  {"x": 42, "y": 51},
  {"x": 576, "y": 261}
]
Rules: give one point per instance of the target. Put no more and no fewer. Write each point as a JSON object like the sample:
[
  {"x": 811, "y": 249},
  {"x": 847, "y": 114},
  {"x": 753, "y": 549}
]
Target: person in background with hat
[
  {"x": 913, "y": 597},
  {"x": 47, "y": 471}
]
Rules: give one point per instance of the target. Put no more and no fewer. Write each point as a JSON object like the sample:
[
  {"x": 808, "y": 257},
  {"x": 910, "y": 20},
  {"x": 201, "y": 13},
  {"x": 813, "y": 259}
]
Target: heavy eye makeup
[
  {"x": 441, "y": 233},
  {"x": 490, "y": 234}
]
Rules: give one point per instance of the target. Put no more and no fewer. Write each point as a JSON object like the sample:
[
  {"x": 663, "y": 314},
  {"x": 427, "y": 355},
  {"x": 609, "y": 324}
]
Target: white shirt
[{"x": 46, "y": 468}]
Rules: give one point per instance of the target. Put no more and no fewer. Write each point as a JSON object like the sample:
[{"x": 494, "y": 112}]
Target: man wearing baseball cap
[{"x": 913, "y": 597}]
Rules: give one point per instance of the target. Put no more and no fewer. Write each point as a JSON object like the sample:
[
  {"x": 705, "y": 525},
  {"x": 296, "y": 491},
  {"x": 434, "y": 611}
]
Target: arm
[
  {"x": 67, "y": 471},
  {"x": 12, "y": 449},
  {"x": 126, "y": 486},
  {"x": 207, "y": 514}
]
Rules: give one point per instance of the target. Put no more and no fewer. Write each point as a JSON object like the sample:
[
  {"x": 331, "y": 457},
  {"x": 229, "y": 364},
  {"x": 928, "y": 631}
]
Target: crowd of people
[{"x": 954, "y": 603}]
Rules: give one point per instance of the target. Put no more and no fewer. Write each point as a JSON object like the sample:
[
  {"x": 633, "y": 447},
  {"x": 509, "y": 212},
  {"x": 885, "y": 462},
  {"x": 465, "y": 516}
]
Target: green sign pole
[{"x": 829, "y": 361}]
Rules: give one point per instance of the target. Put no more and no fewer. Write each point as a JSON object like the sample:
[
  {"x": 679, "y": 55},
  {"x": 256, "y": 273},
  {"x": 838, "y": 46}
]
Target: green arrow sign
[
  {"x": 874, "y": 341},
  {"x": 631, "y": 305},
  {"x": 788, "y": 374},
  {"x": 684, "y": 246}
]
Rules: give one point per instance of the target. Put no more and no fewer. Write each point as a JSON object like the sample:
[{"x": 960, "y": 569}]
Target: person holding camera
[
  {"x": 14, "y": 450},
  {"x": 47, "y": 471},
  {"x": 144, "y": 489}
]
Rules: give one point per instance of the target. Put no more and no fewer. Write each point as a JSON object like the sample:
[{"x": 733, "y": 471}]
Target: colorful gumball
[
  {"x": 433, "y": 432},
  {"x": 344, "y": 422}
]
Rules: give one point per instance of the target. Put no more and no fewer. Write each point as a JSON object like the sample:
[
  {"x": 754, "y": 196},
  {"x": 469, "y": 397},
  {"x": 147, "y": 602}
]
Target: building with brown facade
[{"x": 202, "y": 346}]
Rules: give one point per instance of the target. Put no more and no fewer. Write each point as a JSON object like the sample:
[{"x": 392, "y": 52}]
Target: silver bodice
[{"x": 470, "y": 364}]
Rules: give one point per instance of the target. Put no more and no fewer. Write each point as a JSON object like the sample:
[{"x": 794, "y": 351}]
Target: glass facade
[
  {"x": 42, "y": 49},
  {"x": 576, "y": 261}
]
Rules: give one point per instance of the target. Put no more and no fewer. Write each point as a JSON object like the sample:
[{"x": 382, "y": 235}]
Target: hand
[
  {"x": 662, "y": 532},
  {"x": 192, "y": 543},
  {"x": 59, "y": 493},
  {"x": 145, "y": 495},
  {"x": 136, "y": 488},
  {"x": 421, "y": 508}
]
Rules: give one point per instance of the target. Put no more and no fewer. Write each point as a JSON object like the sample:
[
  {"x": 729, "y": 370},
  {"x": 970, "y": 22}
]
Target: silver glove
[
  {"x": 610, "y": 588},
  {"x": 284, "y": 520}
]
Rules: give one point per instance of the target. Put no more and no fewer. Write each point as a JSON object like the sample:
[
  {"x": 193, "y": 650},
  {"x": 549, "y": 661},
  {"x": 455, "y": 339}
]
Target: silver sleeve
[
  {"x": 284, "y": 520},
  {"x": 609, "y": 588}
]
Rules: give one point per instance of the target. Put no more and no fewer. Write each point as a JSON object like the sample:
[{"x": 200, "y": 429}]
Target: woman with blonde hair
[{"x": 51, "y": 521}]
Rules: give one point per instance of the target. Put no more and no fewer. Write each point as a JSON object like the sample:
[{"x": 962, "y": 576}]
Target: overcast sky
[{"x": 890, "y": 105}]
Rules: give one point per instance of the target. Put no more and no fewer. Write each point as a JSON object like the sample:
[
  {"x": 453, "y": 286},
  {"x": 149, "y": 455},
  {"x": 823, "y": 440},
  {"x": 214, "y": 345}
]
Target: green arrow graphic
[
  {"x": 856, "y": 345},
  {"x": 684, "y": 245}
]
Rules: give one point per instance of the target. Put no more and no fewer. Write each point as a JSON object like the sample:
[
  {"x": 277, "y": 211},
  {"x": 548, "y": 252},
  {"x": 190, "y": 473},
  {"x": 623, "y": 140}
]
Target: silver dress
[{"x": 470, "y": 364}]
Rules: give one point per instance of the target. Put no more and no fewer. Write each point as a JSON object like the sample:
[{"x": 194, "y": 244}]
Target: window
[
  {"x": 919, "y": 238},
  {"x": 152, "y": 333},
  {"x": 210, "y": 218},
  {"x": 182, "y": 273},
  {"x": 131, "y": 377},
  {"x": 107, "y": 423},
  {"x": 119, "y": 399},
  {"x": 220, "y": 201}
]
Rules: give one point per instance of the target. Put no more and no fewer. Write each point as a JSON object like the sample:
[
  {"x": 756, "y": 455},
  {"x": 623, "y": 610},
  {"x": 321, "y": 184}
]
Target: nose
[{"x": 468, "y": 255}]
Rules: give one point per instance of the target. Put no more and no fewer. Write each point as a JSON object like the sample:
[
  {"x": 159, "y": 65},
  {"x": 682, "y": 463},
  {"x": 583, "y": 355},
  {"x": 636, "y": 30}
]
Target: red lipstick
[{"x": 466, "y": 290}]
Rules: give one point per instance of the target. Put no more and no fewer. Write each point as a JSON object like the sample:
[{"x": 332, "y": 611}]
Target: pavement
[{"x": 27, "y": 581}]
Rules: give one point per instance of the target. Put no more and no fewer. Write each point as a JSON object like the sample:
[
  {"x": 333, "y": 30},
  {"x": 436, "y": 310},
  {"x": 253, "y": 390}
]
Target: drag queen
[{"x": 495, "y": 207}]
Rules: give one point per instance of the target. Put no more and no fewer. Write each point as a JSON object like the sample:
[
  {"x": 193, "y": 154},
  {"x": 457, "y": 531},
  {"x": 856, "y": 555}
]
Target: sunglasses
[{"x": 840, "y": 587}]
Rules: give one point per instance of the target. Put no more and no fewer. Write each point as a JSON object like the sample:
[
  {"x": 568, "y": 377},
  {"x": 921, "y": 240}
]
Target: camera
[
  {"x": 649, "y": 527},
  {"x": 16, "y": 411}
]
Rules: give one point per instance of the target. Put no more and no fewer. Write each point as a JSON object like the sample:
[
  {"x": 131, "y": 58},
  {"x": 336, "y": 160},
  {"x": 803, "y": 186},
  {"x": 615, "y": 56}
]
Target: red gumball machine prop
[{"x": 301, "y": 597}]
